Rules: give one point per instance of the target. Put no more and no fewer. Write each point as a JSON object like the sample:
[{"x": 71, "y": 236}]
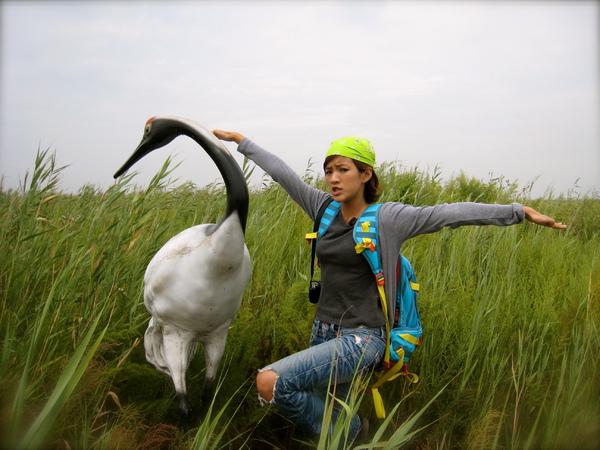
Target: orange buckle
[{"x": 404, "y": 369}]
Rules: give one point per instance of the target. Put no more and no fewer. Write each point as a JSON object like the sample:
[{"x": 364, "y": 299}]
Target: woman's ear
[{"x": 367, "y": 174}]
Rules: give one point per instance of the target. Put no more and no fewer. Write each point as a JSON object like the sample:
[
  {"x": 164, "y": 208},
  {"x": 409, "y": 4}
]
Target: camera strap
[{"x": 314, "y": 236}]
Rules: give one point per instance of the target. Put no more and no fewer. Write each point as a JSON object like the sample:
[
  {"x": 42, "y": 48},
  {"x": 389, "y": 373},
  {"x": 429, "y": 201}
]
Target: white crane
[{"x": 193, "y": 286}]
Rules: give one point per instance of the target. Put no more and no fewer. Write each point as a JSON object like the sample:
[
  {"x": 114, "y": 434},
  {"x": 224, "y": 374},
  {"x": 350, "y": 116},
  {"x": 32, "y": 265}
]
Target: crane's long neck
[{"x": 235, "y": 183}]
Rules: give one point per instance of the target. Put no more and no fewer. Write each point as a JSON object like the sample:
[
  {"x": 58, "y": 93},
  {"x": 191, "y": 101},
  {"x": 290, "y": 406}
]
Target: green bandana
[{"x": 353, "y": 148}]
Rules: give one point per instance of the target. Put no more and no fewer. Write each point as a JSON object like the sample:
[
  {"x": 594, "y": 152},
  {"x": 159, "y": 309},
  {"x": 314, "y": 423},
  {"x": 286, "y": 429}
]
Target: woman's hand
[
  {"x": 230, "y": 136},
  {"x": 540, "y": 219}
]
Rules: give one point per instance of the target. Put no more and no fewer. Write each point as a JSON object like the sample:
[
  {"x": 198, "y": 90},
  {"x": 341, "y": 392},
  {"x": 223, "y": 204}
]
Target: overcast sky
[{"x": 502, "y": 88}]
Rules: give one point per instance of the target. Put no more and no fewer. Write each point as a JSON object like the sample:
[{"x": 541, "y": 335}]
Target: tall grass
[{"x": 511, "y": 343}]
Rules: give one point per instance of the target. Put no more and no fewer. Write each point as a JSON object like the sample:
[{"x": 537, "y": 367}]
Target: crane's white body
[{"x": 193, "y": 289}]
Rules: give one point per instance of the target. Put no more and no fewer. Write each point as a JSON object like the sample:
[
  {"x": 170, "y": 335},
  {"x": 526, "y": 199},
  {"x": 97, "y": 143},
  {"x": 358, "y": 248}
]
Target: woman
[{"x": 349, "y": 327}]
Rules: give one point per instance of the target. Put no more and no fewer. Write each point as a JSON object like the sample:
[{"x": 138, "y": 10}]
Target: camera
[{"x": 314, "y": 292}]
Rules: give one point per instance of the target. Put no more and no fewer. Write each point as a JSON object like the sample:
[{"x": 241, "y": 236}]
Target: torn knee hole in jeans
[{"x": 261, "y": 400}]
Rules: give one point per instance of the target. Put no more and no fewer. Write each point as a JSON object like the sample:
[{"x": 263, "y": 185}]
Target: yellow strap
[
  {"x": 379, "y": 408},
  {"x": 310, "y": 236},
  {"x": 412, "y": 377},
  {"x": 389, "y": 375},
  {"x": 410, "y": 338},
  {"x": 362, "y": 246},
  {"x": 415, "y": 286},
  {"x": 393, "y": 372},
  {"x": 386, "y": 356}
]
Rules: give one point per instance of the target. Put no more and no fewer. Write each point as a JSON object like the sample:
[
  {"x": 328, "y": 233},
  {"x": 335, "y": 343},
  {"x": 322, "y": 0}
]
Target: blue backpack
[{"x": 404, "y": 335}]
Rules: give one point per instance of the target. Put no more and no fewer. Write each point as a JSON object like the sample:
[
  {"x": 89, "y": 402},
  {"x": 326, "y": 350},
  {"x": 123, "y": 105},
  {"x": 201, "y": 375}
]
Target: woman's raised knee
[{"x": 265, "y": 383}]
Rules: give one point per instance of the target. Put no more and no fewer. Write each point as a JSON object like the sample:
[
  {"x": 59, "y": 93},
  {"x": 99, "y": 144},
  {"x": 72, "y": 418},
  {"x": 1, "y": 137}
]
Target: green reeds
[{"x": 509, "y": 356}]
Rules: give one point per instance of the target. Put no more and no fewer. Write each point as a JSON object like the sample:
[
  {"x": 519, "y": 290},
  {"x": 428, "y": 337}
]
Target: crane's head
[{"x": 158, "y": 132}]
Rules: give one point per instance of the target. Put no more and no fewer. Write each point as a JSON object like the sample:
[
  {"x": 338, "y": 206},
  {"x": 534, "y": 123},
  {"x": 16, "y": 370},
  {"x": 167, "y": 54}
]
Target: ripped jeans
[{"x": 335, "y": 357}]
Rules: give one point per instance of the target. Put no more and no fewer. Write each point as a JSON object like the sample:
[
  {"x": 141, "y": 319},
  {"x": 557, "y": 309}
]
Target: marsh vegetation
[{"x": 509, "y": 357}]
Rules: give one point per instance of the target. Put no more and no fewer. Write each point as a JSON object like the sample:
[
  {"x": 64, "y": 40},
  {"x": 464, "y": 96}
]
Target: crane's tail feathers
[{"x": 153, "y": 342}]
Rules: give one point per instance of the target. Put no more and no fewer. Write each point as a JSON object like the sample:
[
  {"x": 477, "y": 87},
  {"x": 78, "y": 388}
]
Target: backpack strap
[
  {"x": 367, "y": 238},
  {"x": 312, "y": 237},
  {"x": 328, "y": 215}
]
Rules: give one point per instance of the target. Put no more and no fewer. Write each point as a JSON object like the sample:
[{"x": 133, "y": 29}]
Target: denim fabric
[{"x": 333, "y": 358}]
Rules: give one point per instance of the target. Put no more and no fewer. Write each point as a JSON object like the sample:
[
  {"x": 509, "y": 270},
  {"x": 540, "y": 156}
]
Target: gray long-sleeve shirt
[{"x": 348, "y": 298}]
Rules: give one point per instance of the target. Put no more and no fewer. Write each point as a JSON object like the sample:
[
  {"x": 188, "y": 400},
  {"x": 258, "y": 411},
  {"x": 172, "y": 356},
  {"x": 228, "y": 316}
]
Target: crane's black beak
[{"x": 141, "y": 151}]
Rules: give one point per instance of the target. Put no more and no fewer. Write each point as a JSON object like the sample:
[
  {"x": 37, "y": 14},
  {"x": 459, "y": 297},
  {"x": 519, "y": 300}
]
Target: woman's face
[{"x": 345, "y": 181}]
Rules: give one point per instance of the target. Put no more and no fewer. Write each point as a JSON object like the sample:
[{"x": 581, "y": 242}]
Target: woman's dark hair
[{"x": 372, "y": 193}]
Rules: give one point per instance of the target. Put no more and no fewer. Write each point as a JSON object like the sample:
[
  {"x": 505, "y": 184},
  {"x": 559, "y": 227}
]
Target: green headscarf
[{"x": 354, "y": 148}]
